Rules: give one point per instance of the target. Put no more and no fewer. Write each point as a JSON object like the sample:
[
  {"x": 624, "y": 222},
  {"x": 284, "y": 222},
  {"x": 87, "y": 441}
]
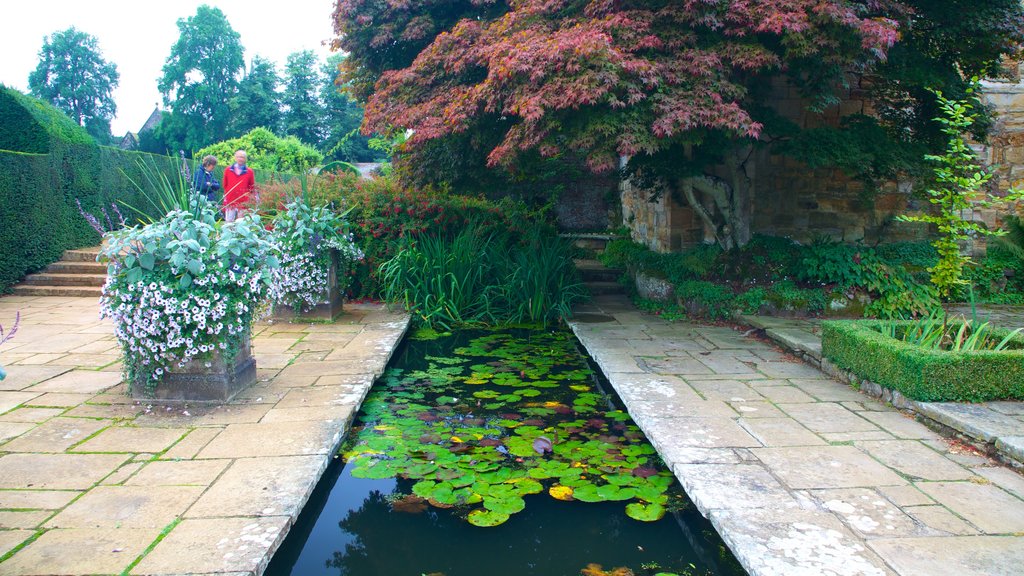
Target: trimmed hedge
[
  {"x": 921, "y": 374},
  {"x": 38, "y": 212}
]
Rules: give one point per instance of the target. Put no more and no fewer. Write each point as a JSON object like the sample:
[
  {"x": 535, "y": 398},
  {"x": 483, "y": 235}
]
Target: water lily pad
[
  {"x": 505, "y": 505},
  {"x": 645, "y": 512},
  {"x": 560, "y": 492},
  {"x": 486, "y": 518}
]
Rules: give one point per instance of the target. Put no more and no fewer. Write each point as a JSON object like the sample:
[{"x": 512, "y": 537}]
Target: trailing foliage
[
  {"x": 265, "y": 151},
  {"x": 184, "y": 287},
  {"x": 484, "y": 278},
  {"x": 924, "y": 374}
]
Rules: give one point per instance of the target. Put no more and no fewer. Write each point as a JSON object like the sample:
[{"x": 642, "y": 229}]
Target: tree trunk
[{"x": 724, "y": 205}]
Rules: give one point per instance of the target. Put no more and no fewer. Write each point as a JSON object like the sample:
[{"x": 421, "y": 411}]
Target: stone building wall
[{"x": 793, "y": 200}]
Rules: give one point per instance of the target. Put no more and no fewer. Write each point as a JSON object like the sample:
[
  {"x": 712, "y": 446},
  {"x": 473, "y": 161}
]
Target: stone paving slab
[
  {"x": 999, "y": 425},
  {"x": 92, "y": 482},
  {"x": 825, "y": 480}
]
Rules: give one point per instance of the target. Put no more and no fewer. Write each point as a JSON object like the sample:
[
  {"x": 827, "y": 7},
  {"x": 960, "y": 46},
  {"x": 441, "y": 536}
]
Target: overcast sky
[{"x": 137, "y": 36}]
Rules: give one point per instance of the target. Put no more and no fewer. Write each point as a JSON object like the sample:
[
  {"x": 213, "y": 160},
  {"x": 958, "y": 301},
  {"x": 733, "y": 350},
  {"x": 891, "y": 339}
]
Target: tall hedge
[{"x": 47, "y": 161}]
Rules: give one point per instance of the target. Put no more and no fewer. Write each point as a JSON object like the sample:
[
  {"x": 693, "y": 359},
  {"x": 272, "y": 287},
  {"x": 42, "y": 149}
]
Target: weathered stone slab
[
  {"x": 57, "y": 471},
  {"x": 10, "y": 430},
  {"x": 189, "y": 446},
  {"x": 132, "y": 439},
  {"x": 178, "y": 473},
  {"x": 59, "y": 399},
  {"x": 20, "y": 377},
  {"x": 828, "y": 390},
  {"x": 907, "y": 495},
  {"x": 900, "y": 425},
  {"x": 780, "y": 432},
  {"x": 216, "y": 545},
  {"x": 1003, "y": 477},
  {"x": 1012, "y": 446},
  {"x": 11, "y": 400},
  {"x": 676, "y": 365},
  {"x": 33, "y": 415},
  {"x": 36, "y": 499},
  {"x": 712, "y": 432},
  {"x": 9, "y": 539},
  {"x": 975, "y": 420},
  {"x": 56, "y": 435},
  {"x": 652, "y": 387},
  {"x": 810, "y": 467},
  {"x": 782, "y": 394},
  {"x": 869, "y": 514},
  {"x": 274, "y": 439},
  {"x": 127, "y": 506},
  {"x": 642, "y": 410},
  {"x": 915, "y": 460},
  {"x": 941, "y": 519},
  {"x": 321, "y": 396},
  {"x": 795, "y": 369},
  {"x": 757, "y": 409},
  {"x": 78, "y": 551},
  {"x": 827, "y": 417},
  {"x": 795, "y": 543},
  {"x": 726, "y": 390},
  {"x": 984, "y": 505},
  {"x": 22, "y": 519},
  {"x": 79, "y": 382},
  {"x": 261, "y": 487},
  {"x": 309, "y": 414},
  {"x": 962, "y": 556},
  {"x": 731, "y": 486}
]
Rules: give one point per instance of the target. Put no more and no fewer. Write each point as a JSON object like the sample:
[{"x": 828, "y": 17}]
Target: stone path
[
  {"x": 996, "y": 426},
  {"x": 800, "y": 474},
  {"x": 93, "y": 483}
]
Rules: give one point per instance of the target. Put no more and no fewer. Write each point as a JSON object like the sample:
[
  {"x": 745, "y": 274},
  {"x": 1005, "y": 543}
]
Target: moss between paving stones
[{"x": 920, "y": 374}]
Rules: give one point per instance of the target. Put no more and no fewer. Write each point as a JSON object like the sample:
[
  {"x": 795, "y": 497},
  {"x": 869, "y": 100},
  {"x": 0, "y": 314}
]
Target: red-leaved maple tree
[{"x": 606, "y": 79}]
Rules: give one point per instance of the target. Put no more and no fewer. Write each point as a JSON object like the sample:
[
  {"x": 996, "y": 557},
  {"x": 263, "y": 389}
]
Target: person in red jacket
[{"x": 239, "y": 183}]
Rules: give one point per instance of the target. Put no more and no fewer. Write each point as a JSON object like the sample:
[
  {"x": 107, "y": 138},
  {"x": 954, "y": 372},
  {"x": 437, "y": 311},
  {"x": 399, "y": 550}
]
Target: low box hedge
[{"x": 922, "y": 374}]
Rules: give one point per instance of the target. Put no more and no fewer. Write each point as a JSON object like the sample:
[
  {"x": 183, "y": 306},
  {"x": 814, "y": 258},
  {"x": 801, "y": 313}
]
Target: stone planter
[
  {"x": 653, "y": 288},
  {"x": 198, "y": 383},
  {"x": 330, "y": 302}
]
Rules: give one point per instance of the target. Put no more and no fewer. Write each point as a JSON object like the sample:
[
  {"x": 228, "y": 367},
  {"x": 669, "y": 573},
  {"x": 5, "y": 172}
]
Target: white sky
[{"x": 137, "y": 36}]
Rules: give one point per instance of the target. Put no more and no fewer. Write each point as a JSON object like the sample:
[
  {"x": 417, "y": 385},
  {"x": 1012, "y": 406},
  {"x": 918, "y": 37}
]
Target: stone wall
[
  {"x": 586, "y": 204},
  {"x": 793, "y": 200}
]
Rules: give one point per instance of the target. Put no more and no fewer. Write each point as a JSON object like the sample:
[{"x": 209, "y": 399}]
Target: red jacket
[{"x": 237, "y": 188}]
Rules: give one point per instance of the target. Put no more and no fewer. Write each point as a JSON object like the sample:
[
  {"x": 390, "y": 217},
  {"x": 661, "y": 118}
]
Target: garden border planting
[{"x": 922, "y": 374}]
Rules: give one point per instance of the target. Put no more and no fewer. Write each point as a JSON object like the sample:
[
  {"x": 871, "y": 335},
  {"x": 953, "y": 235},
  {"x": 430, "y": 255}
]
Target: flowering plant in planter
[
  {"x": 184, "y": 288},
  {"x": 309, "y": 241}
]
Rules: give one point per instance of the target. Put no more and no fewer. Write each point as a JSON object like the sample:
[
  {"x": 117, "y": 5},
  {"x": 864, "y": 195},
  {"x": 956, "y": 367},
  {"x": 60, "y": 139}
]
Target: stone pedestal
[
  {"x": 326, "y": 311},
  {"x": 198, "y": 383}
]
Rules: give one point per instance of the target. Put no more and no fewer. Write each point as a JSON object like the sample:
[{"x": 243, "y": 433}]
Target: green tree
[
  {"x": 199, "y": 78},
  {"x": 960, "y": 183},
  {"x": 73, "y": 76},
  {"x": 258, "y": 102},
  {"x": 342, "y": 118},
  {"x": 680, "y": 87},
  {"x": 303, "y": 109}
]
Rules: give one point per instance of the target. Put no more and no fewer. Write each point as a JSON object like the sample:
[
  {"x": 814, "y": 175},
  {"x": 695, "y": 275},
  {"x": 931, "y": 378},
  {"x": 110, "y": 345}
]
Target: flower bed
[{"x": 924, "y": 374}]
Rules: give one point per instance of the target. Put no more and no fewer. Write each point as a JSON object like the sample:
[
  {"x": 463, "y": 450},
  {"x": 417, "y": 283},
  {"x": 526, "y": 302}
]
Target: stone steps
[
  {"x": 77, "y": 274},
  {"x": 598, "y": 279}
]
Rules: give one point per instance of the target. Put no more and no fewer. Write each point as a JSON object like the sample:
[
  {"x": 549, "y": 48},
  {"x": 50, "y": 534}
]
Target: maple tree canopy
[{"x": 611, "y": 77}]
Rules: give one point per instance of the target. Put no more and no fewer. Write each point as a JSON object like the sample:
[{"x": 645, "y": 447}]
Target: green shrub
[
  {"x": 29, "y": 125},
  {"x": 703, "y": 298},
  {"x": 922, "y": 374},
  {"x": 764, "y": 259},
  {"x": 385, "y": 215},
  {"x": 480, "y": 277},
  {"x": 265, "y": 151}
]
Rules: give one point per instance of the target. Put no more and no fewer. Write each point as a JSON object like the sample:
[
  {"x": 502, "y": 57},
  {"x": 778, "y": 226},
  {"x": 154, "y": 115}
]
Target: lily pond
[{"x": 499, "y": 453}]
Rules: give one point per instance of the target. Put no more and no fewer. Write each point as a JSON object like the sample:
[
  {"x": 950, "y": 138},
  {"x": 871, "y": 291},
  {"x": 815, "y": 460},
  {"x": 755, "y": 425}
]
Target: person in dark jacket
[{"x": 205, "y": 182}]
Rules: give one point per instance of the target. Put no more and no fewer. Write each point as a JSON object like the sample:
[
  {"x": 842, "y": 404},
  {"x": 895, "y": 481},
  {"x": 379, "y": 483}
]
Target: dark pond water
[{"x": 499, "y": 454}]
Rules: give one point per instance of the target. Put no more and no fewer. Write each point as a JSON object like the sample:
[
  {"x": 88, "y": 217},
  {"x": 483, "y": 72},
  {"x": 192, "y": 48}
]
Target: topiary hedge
[
  {"x": 57, "y": 164},
  {"x": 923, "y": 374}
]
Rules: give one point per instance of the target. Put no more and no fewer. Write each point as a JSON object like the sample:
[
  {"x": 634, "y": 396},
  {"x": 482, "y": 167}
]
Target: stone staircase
[
  {"x": 76, "y": 274},
  {"x": 599, "y": 279}
]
